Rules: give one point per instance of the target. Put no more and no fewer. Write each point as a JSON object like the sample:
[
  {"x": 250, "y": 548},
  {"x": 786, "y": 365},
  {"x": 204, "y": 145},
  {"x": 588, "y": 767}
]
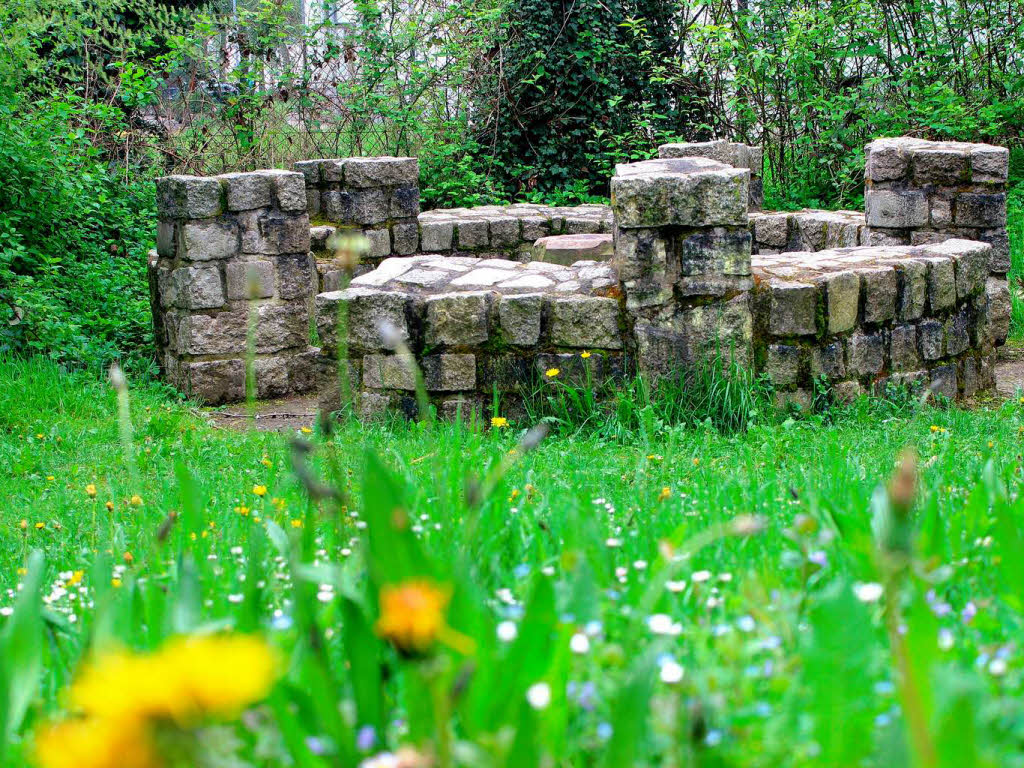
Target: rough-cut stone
[
  {"x": 879, "y": 290},
  {"x": 272, "y": 232},
  {"x": 867, "y": 354},
  {"x": 381, "y": 171},
  {"x": 369, "y": 206},
  {"x": 295, "y": 275},
  {"x": 404, "y": 238},
  {"x": 449, "y": 373},
  {"x": 584, "y": 322},
  {"x": 189, "y": 197},
  {"x": 271, "y": 376},
  {"x": 794, "y": 309},
  {"x": 896, "y": 209},
  {"x": 388, "y": 372},
  {"x": 204, "y": 241},
  {"x": 458, "y": 319},
  {"x": 931, "y": 339},
  {"x": 998, "y": 311},
  {"x": 211, "y": 381},
  {"x": 983, "y": 211},
  {"x": 903, "y": 352},
  {"x": 198, "y": 287},
  {"x": 436, "y": 236},
  {"x": 361, "y": 312},
  {"x": 405, "y": 203},
  {"x": 568, "y": 249},
  {"x": 247, "y": 191},
  {"x": 829, "y": 361},
  {"x": 520, "y": 318},
  {"x": 944, "y": 381},
  {"x": 471, "y": 234},
  {"x": 784, "y": 365},
  {"x": 941, "y": 284},
  {"x": 842, "y": 294}
]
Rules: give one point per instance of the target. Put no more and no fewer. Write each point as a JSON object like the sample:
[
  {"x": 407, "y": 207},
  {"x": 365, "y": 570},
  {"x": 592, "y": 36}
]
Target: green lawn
[{"x": 680, "y": 597}]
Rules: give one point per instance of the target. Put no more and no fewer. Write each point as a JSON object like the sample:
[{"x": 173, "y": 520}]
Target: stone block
[
  {"x": 940, "y": 212},
  {"x": 371, "y": 406},
  {"x": 310, "y": 170},
  {"x": 578, "y": 371},
  {"x": 281, "y": 326},
  {"x": 463, "y": 408},
  {"x": 999, "y": 258},
  {"x": 313, "y": 201},
  {"x": 829, "y": 361},
  {"x": 999, "y": 309},
  {"x": 273, "y": 232},
  {"x": 217, "y": 334},
  {"x": 369, "y": 206},
  {"x": 715, "y": 251},
  {"x": 166, "y": 239},
  {"x": 958, "y": 337},
  {"x": 879, "y": 288},
  {"x": 582, "y": 225},
  {"x": 405, "y": 237},
  {"x": 248, "y": 191},
  {"x": 295, "y": 276},
  {"x": 943, "y": 381},
  {"x": 940, "y": 166},
  {"x": 207, "y": 240},
  {"x": 361, "y": 311},
  {"x": 302, "y": 370},
  {"x": 793, "y": 309},
  {"x": 271, "y": 376},
  {"x": 336, "y": 205},
  {"x": 772, "y": 230},
  {"x": 652, "y": 197},
  {"x": 983, "y": 211},
  {"x": 584, "y": 322},
  {"x": 989, "y": 164},
  {"x": 912, "y": 294},
  {"x": 799, "y": 400},
  {"x": 388, "y": 372},
  {"x": 436, "y": 236},
  {"x": 640, "y": 253},
  {"x": 784, "y": 365},
  {"x": 520, "y": 317},
  {"x": 471, "y": 234},
  {"x": 405, "y": 203},
  {"x": 847, "y": 391},
  {"x": 332, "y": 171},
  {"x": 534, "y": 228},
  {"x": 568, "y": 249},
  {"x": 381, "y": 171},
  {"x": 867, "y": 354},
  {"x": 506, "y": 373},
  {"x": 198, "y": 287},
  {"x": 289, "y": 190},
  {"x": 941, "y": 284},
  {"x": 212, "y": 382},
  {"x": 903, "y": 352},
  {"x": 931, "y": 339},
  {"x": 970, "y": 376},
  {"x": 378, "y": 242},
  {"x": 896, "y": 209},
  {"x": 885, "y": 160},
  {"x": 842, "y": 297},
  {"x": 189, "y": 197},
  {"x": 449, "y": 373},
  {"x": 504, "y": 232},
  {"x": 458, "y": 319}
]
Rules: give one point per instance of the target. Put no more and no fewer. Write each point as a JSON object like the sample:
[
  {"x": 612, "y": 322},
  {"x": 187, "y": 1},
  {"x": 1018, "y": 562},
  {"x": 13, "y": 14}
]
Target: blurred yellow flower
[
  {"x": 296, "y": 523},
  {"x": 128, "y": 557},
  {"x": 551, "y": 372},
  {"x": 243, "y": 511},
  {"x": 40, "y": 526},
  {"x": 115, "y": 583},
  {"x": 305, "y": 430},
  {"x": 50, "y": 478},
  {"x": 499, "y": 422},
  {"x": 584, "y": 355},
  {"x": 666, "y": 492},
  {"x": 266, "y": 462},
  {"x": 40, "y": 435},
  {"x": 90, "y": 489},
  {"x": 135, "y": 500},
  {"x": 110, "y": 506},
  {"x": 23, "y": 525},
  {"x": 76, "y": 578},
  {"x": 96, "y": 743},
  {"x": 412, "y": 614},
  {"x": 259, "y": 490}
]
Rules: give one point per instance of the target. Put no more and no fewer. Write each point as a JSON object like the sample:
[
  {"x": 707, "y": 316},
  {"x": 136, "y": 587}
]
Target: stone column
[
  {"x": 919, "y": 192},
  {"x": 377, "y": 196},
  {"x": 682, "y": 251},
  {"x": 728, "y": 152},
  {"x": 233, "y": 255}
]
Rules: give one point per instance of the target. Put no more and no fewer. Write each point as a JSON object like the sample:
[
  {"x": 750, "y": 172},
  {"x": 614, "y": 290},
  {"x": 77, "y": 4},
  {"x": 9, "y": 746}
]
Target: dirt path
[{"x": 284, "y": 415}]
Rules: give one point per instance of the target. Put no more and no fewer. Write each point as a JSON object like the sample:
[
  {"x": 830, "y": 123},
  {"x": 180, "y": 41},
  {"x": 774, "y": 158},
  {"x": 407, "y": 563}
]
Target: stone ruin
[{"x": 682, "y": 267}]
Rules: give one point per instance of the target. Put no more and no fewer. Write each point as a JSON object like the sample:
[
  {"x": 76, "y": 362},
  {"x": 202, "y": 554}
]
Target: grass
[{"x": 659, "y": 632}]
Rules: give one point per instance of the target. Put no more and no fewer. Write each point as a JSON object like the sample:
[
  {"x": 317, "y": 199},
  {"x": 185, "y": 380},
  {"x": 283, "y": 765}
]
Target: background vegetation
[{"x": 534, "y": 100}]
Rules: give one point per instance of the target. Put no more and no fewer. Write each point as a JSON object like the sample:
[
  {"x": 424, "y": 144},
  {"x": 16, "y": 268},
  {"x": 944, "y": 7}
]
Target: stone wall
[
  {"x": 806, "y": 230},
  {"x": 233, "y": 255},
  {"x": 682, "y": 252},
  {"x": 483, "y": 333},
  {"x": 728, "y": 152},
  {"x": 863, "y": 317}
]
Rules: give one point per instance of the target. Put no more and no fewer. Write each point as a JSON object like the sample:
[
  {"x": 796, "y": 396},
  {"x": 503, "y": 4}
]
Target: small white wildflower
[
  {"x": 671, "y": 671},
  {"x": 579, "y": 643},
  {"x": 507, "y": 631},
  {"x": 662, "y": 624},
  {"x": 700, "y": 576},
  {"x": 539, "y": 695},
  {"x": 869, "y": 592}
]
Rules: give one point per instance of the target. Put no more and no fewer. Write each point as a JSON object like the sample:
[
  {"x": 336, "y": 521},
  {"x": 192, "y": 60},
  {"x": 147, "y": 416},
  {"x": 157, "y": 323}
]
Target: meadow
[{"x": 790, "y": 591}]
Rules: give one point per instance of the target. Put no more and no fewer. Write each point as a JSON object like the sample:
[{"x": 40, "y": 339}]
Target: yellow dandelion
[
  {"x": 40, "y": 435},
  {"x": 666, "y": 492},
  {"x": 243, "y": 511},
  {"x": 40, "y": 526},
  {"x": 266, "y": 462},
  {"x": 110, "y": 506},
  {"x": 128, "y": 557},
  {"x": 135, "y": 500},
  {"x": 50, "y": 478},
  {"x": 696, "y": 461},
  {"x": 76, "y": 578},
  {"x": 115, "y": 583},
  {"x": 412, "y": 615},
  {"x": 296, "y": 523},
  {"x": 551, "y": 372},
  {"x": 259, "y": 490},
  {"x": 90, "y": 490},
  {"x": 306, "y": 430},
  {"x": 584, "y": 355},
  {"x": 96, "y": 742},
  {"x": 499, "y": 421},
  {"x": 23, "y": 525}
]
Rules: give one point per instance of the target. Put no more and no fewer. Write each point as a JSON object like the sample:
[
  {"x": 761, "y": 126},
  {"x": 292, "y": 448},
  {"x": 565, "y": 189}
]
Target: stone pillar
[
  {"x": 377, "y": 196},
  {"x": 682, "y": 251},
  {"x": 233, "y": 253},
  {"x": 919, "y": 192},
  {"x": 728, "y": 152}
]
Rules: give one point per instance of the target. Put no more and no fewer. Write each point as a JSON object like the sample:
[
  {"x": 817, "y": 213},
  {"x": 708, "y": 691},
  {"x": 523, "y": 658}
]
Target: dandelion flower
[
  {"x": 412, "y": 615},
  {"x": 110, "y": 506},
  {"x": 296, "y": 523},
  {"x": 305, "y": 430},
  {"x": 584, "y": 354},
  {"x": 551, "y": 372},
  {"x": 96, "y": 743},
  {"x": 259, "y": 490},
  {"x": 666, "y": 492},
  {"x": 135, "y": 500},
  {"x": 90, "y": 490},
  {"x": 128, "y": 557},
  {"x": 499, "y": 421}
]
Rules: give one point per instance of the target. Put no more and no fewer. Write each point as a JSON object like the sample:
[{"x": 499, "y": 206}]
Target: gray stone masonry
[
  {"x": 478, "y": 328},
  {"x": 728, "y": 152},
  {"x": 233, "y": 251},
  {"x": 682, "y": 251}
]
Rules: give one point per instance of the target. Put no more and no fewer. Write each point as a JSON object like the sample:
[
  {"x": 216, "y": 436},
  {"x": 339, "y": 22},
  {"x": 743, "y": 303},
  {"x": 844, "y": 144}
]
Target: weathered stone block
[
  {"x": 310, "y": 170},
  {"x": 829, "y": 361},
  {"x": 799, "y": 400},
  {"x": 471, "y": 234},
  {"x": 941, "y": 166},
  {"x": 582, "y": 225},
  {"x": 289, "y": 190},
  {"x": 981, "y": 210},
  {"x": 361, "y": 311},
  {"x": 940, "y": 213},
  {"x": 381, "y": 171},
  {"x": 371, "y": 406},
  {"x": 313, "y": 201},
  {"x": 458, "y": 319},
  {"x": 302, "y": 370},
  {"x": 784, "y": 365},
  {"x": 166, "y": 239},
  {"x": 772, "y": 230},
  {"x": 405, "y": 237},
  {"x": 998, "y": 312},
  {"x": 519, "y": 317},
  {"x": 189, "y": 197},
  {"x": 584, "y": 322},
  {"x": 654, "y": 193},
  {"x": 198, "y": 287},
  {"x": 247, "y": 191},
  {"x": 295, "y": 276},
  {"x": 999, "y": 258},
  {"x": 219, "y": 334},
  {"x": 504, "y": 232},
  {"x": 847, "y": 391},
  {"x": 271, "y": 376},
  {"x": 210, "y": 381},
  {"x": 534, "y": 228},
  {"x": 463, "y": 408},
  {"x": 913, "y": 290},
  {"x": 378, "y": 242},
  {"x": 204, "y": 241},
  {"x": 894, "y": 209},
  {"x": 989, "y": 164},
  {"x": 336, "y": 205},
  {"x": 944, "y": 381},
  {"x": 903, "y": 348},
  {"x": 405, "y": 203},
  {"x": 388, "y": 372},
  {"x": 794, "y": 308},
  {"x": 449, "y": 373},
  {"x": 885, "y": 160},
  {"x": 506, "y": 373},
  {"x": 867, "y": 354},
  {"x": 878, "y": 286},
  {"x": 941, "y": 283},
  {"x": 272, "y": 232},
  {"x": 958, "y": 333},
  {"x": 281, "y": 326},
  {"x": 715, "y": 251},
  {"x": 436, "y": 236},
  {"x": 579, "y": 371},
  {"x": 842, "y": 296},
  {"x": 369, "y": 206},
  {"x": 932, "y": 340},
  {"x": 332, "y": 171}
]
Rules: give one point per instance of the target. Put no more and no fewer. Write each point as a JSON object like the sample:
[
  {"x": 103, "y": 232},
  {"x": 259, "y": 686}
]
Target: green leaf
[{"x": 22, "y": 644}]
